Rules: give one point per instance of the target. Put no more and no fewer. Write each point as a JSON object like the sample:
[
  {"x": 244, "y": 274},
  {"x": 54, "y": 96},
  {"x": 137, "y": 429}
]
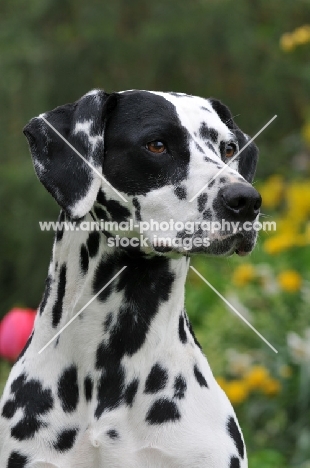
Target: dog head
[{"x": 160, "y": 160}]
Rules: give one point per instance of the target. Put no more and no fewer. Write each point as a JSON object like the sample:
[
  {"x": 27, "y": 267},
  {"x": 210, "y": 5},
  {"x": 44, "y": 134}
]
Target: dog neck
[{"x": 142, "y": 307}]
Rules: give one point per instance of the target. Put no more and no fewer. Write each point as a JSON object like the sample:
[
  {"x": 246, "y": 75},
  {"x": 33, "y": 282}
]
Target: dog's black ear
[
  {"x": 249, "y": 157},
  {"x": 71, "y": 181}
]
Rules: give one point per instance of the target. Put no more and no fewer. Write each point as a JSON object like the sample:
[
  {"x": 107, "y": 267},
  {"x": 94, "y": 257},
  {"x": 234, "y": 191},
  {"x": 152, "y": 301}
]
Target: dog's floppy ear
[
  {"x": 249, "y": 157},
  {"x": 71, "y": 181}
]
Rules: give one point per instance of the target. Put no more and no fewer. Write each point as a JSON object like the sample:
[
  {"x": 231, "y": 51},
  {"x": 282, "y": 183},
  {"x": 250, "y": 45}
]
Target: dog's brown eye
[
  {"x": 230, "y": 150},
  {"x": 156, "y": 147}
]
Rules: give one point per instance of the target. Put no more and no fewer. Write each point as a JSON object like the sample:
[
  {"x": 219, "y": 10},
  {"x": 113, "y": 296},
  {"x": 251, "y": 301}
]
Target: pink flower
[{"x": 15, "y": 330}]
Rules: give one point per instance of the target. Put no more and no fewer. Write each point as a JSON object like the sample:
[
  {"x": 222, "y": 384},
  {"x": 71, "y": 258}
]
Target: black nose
[{"x": 242, "y": 201}]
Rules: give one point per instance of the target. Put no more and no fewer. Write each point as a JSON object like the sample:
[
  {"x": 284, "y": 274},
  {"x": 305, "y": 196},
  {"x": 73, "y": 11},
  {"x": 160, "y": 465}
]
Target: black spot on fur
[
  {"x": 182, "y": 332},
  {"x": 207, "y": 214},
  {"x": 113, "y": 434},
  {"x": 65, "y": 440},
  {"x": 223, "y": 180},
  {"x": 162, "y": 411},
  {"x": 84, "y": 260},
  {"x": 108, "y": 321},
  {"x": 137, "y": 206},
  {"x": 25, "y": 347},
  {"x": 68, "y": 390},
  {"x": 92, "y": 243},
  {"x": 100, "y": 213},
  {"x": 234, "y": 462},
  {"x": 131, "y": 391},
  {"x": 88, "y": 388},
  {"x": 205, "y": 108},
  {"x": 211, "y": 147},
  {"x": 57, "y": 309},
  {"x": 103, "y": 274},
  {"x": 117, "y": 211},
  {"x": 180, "y": 192},
  {"x": 199, "y": 377},
  {"x": 199, "y": 148},
  {"x": 17, "y": 460},
  {"x": 189, "y": 326},
  {"x": 46, "y": 294},
  {"x": 223, "y": 149},
  {"x": 60, "y": 231},
  {"x": 111, "y": 386},
  {"x": 235, "y": 435},
  {"x": 202, "y": 200},
  {"x": 35, "y": 402},
  {"x": 180, "y": 387},
  {"x": 213, "y": 135},
  {"x": 211, "y": 183},
  {"x": 156, "y": 380}
]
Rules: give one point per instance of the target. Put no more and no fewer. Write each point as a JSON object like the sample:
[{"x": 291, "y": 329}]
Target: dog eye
[
  {"x": 230, "y": 150},
  {"x": 156, "y": 147}
]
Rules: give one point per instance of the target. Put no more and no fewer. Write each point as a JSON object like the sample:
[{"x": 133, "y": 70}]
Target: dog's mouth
[{"x": 240, "y": 243}]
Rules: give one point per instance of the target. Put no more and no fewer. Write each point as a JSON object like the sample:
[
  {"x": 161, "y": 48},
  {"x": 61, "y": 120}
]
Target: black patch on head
[
  {"x": 211, "y": 147},
  {"x": 213, "y": 135},
  {"x": 130, "y": 392},
  {"x": 68, "y": 390},
  {"x": 182, "y": 332},
  {"x": 17, "y": 460},
  {"x": 204, "y": 131},
  {"x": 162, "y": 411},
  {"x": 65, "y": 439},
  {"x": 199, "y": 377},
  {"x": 156, "y": 380},
  {"x": 234, "y": 462},
  {"x": 35, "y": 402},
  {"x": 57, "y": 308},
  {"x": 223, "y": 180},
  {"x": 60, "y": 230},
  {"x": 223, "y": 149},
  {"x": 141, "y": 117},
  {"x": 199, "y": 148},
  {"x": 108, "y": 321},
  {"x": 88, "y": 388},
  {"x": 47, "y": 291},
  {"x": 180, "y": 387},
  {"x": 180, "y": 192},
  {"x": 207, "y": 214},
  {"x": 202, "y": 200},
  {"x": 205, "y": 108},
  {"x": 113, "y": 434},
  {"x": 84, "y": 260},
  {"x": 92, "y": 243},
  {"x": 235, "y": 435},
  {"x": 25, "y": 347},
  {"x": 137, "y": 206}
]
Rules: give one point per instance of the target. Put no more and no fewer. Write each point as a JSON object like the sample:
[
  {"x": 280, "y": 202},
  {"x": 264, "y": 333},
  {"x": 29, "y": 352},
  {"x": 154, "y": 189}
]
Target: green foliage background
[{"x": 54, "y": 51}]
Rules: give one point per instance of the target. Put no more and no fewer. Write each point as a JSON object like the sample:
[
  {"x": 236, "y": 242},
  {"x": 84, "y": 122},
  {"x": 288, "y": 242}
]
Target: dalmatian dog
[{"x": 126, "y": 384}]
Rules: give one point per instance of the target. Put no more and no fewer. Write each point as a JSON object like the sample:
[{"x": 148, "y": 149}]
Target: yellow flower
[
  {"x": 287, "y": 42},
  {"x": 272, "y": 191},
  {"x": 279, "y": 243},
  {"x": 271, "y": 387},
  {"x": 243, "y": 274},
  {"x": 290, "y": 280},
  {"x": 256, "y": 377},
  {"x": 301, "y": 35},
  {"x": 237, "y": 391}
]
